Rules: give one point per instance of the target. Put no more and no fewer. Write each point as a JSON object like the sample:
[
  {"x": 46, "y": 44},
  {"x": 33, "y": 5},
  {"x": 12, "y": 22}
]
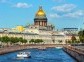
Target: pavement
[{"x": 79, "y": 47}]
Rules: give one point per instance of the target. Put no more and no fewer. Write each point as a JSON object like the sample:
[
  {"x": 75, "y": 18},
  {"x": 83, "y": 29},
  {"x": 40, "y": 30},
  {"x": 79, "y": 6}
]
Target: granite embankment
[
  {"x": 75, "y": 51},
  {"x": 21, "y": 47}
]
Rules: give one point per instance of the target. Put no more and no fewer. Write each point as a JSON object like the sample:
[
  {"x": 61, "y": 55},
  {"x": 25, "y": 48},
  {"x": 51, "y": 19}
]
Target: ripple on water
[{"x": 48, "y": 55}]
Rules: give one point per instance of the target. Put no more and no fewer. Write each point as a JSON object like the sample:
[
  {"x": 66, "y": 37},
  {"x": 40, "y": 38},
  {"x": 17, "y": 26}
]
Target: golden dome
[
  {"x": 40, "y": 12},
  {"x": 20, "y": 28}
]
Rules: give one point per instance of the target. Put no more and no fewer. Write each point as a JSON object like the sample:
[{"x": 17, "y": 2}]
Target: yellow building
[{"x": 20, "y": 28}]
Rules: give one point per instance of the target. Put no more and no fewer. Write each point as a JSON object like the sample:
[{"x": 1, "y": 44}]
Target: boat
[
  {"x": 58, "y": 47},
  {"x": 23, "y": 55},
  {"x": 42, "y": 48}
]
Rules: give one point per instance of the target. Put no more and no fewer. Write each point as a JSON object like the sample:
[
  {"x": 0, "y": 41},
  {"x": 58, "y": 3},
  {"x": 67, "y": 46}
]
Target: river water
[{"x": 48, "y": 55}]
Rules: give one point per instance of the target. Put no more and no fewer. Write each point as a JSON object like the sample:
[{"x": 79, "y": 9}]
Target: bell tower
[{"x": 40, "y": 18}]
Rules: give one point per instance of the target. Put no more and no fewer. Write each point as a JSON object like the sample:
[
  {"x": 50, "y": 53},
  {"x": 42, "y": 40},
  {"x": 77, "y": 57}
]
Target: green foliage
[
  {"x": 21, "y": 40},
  {"x": 5, "y": 39},
  {"x": 77, "y": 41},
  {"x": 73, "y": 38},
  {"x": 81, "y": 36},
  {"x": 36, "y": 41},
  {"x": 53, "y": 41},
  {"x": 0, "y": 38},
  {"x": 73, "y": 42},
  {"x": 31, "y": 41},
  {"x": 24, "y": 41},
  {"x": 41, "y": 41},
  {"x": 60, "y": 41},
  {"x": 13, "y": 40},
  {"x": 69, "y": 41}
]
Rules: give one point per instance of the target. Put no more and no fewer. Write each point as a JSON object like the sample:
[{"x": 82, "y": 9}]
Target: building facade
[{"x": 39, "y": 30}]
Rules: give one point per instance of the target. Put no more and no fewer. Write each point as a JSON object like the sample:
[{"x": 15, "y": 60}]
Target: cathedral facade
[
  {"x": 40, "y": 22},
  {"x": 39, "y": 30}
]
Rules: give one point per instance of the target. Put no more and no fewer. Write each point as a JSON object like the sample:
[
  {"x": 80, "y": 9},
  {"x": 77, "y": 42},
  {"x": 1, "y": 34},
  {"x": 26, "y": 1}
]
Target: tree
[
  {"x": 21, "y": 40},
  {"x": 24, "y": 41},
  {"x": 53, "y": 41},
  {"x": 14, "y": 40},
  {"x": 5, "y": 39},
  {"x": 0, "y": 40},
  {"x": 73, "y": 39},
  {"x": 69, "y": 41},
  {"x": 31, "y": 41},
  {"x": 60, "y": 41},
  {"x": 81, "y": 36},
  {"x": 41, "y": 41},
  {"x": 36, "y": 41},
  {"x": 77, "y": 41}
]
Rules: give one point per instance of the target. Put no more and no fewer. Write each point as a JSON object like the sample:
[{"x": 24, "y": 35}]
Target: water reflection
[{"x": 48, "y": 55}]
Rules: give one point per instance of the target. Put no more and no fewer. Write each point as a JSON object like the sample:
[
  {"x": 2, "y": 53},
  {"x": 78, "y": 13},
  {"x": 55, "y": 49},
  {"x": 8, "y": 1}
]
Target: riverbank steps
[{"x": 76, "y": 53}]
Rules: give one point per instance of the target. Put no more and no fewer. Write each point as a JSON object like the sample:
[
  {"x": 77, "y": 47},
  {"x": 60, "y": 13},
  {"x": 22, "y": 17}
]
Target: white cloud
[
  {"x": 76, "y": 14},
  {"x": 22, "y": 5},
  {"x": 64, "y": 8},
  {"x": 54, "y": 15},
  {"x": 79, "y": 13}
]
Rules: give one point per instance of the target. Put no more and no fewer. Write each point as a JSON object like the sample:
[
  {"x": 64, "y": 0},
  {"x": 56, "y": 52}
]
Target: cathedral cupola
[
  {"x": 40, "y": 13},
  {"x": 40, "y": 18}
]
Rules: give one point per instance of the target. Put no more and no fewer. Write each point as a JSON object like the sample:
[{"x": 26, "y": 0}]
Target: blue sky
[{"x": 61, "y": 13}]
